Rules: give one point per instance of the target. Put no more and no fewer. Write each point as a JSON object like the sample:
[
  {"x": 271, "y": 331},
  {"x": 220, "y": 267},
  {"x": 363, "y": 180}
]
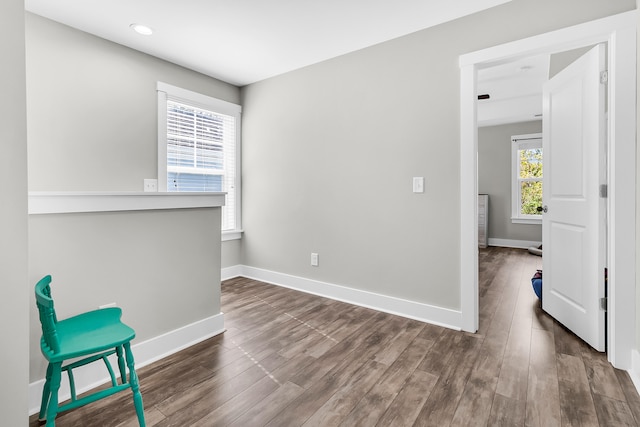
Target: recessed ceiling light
[{"x": 141, "y": 29}]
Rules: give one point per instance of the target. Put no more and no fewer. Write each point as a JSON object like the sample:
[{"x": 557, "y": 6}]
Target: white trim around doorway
[{"x": 619, "y": 31}]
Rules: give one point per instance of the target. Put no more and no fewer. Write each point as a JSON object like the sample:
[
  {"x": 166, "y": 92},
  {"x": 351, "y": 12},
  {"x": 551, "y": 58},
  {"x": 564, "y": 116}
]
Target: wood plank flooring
[{"x": 293, "y": 359}]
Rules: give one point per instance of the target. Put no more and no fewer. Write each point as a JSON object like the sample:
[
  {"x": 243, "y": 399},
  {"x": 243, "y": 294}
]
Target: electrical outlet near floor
[{"x": 314, "y": 259}]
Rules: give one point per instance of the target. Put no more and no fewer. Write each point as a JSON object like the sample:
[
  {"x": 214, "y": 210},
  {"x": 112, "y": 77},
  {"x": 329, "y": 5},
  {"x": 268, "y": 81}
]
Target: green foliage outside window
[{"x": 531, "y": 180}]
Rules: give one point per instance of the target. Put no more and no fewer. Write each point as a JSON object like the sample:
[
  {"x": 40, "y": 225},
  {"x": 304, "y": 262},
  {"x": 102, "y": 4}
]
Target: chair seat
[{"x": 89, "y": 333}]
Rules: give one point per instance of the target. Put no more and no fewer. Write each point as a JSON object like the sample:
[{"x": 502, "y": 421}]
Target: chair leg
[
  {"x": 52, "y": 407},
  {"x": 46, "y": 393},
  {"x": 123, "y": 371},
  {"x": 135, "y": 387}
]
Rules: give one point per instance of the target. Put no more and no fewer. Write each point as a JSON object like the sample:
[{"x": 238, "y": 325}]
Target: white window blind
[{"x": 199, "y": 151}]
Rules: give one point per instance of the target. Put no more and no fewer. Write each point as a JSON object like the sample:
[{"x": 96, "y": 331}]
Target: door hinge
[
  {"x": 603, "y": 303},
  {"x": 604, "y": 191},
  {"x": 604, "y": 77}
]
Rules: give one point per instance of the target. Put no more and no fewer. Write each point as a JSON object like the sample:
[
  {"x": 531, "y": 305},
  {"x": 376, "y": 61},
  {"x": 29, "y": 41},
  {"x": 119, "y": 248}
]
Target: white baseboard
[
  {"x": 634, "y": 372},
  {"x": 230, "y": 272},
  {"x": 145, "y": 352},
  {"x": 509, "y": 243},
  {"x": 414, "y": 310}
]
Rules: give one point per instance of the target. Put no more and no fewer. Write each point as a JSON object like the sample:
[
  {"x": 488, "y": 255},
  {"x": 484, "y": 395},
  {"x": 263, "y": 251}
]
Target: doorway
[
  {"x": 619, "y": 31},
  {"x": 510, "y": 171}
]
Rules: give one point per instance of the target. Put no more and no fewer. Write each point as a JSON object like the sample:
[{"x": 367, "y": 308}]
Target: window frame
[
  {"x": 197, "y": 100},
  {"x": 522, "y": 142}
]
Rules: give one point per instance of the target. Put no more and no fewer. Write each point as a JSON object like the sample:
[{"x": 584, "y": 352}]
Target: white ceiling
[
  {"x": 515, "y": 91},
  {"x": 244, "y": 41}
]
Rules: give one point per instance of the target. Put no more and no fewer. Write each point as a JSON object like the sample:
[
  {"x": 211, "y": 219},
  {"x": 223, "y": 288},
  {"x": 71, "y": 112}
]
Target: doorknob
[{"x": 542, "y": 208}]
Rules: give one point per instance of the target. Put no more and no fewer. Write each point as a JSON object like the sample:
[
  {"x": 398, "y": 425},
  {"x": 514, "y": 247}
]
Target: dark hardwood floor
[{"x": 292, "y": 359}]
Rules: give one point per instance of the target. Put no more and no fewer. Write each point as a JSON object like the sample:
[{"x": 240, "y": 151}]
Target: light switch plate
[{"x": 418, "y": 184}]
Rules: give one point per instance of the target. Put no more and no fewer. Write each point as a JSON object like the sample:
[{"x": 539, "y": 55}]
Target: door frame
[{"x": 619, "y": 32}]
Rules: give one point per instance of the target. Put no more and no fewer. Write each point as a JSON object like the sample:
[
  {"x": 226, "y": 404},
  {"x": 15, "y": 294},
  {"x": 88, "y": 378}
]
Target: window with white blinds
[{"x": 198, "y": 147}]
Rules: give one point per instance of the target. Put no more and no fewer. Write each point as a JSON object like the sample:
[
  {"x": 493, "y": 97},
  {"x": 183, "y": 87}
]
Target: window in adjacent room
[
  {"x": 199, "y": 148},
  {"x": 526, "y": 167}
]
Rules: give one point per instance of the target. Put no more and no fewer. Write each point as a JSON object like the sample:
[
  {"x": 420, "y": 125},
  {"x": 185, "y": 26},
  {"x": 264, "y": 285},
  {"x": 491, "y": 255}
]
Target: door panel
[
  {"x": 566, "y": 269},
  {"x": 567, "y": 128},
  {"x": 573, "y": 257}
]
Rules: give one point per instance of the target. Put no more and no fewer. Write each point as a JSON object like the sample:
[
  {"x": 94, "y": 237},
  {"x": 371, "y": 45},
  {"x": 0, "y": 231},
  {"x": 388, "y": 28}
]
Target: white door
[{"x": 573, "y": 231}]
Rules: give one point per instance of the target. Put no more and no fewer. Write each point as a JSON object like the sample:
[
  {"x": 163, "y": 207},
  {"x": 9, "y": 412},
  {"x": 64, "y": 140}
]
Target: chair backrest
[{"x": 48, "y": 317}]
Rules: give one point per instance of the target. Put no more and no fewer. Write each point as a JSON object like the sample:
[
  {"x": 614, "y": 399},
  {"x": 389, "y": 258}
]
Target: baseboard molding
[
  {"x": 230, "y": 272},
  {"x": 634, "y": 372},
  {"x": 509, "y": 243},
  {"x": 145, "y": 352},
  {"x": 414, "y": 310}
]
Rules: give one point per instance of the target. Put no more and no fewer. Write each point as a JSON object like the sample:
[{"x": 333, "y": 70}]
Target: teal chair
[{"x": 91, "y": 336}]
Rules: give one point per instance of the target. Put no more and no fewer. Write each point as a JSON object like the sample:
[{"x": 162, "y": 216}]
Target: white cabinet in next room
[{"x": 483, "y": 220}]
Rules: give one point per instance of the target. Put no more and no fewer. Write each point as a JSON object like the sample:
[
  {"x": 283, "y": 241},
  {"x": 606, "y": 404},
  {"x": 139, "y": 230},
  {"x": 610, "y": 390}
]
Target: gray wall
[
  {"x": 494, "y": 179},
  {"x": 93, "y": 111},
  {"x": 14, "y": 303},
  {"x": 231, "y": 253},
  {"x": 561, "y": 60},
  {"x": 92, "y": 125},
  {"x": 162, "y": 267},
  {"x": 329, "y": 152}
]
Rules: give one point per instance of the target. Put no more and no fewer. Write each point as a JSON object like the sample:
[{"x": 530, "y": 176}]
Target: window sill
[
  {"x": 232, "y": 235},
  {"x": 515, "y": 220}
]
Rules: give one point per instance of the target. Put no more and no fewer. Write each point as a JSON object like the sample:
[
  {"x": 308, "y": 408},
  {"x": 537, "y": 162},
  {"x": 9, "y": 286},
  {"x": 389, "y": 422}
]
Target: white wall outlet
[
  {"x": 150, "y": 185},
  {"x": 418, "y": 184},
  {"x": 111, "y": 304},
  {"x": 314, "y": 259}
]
